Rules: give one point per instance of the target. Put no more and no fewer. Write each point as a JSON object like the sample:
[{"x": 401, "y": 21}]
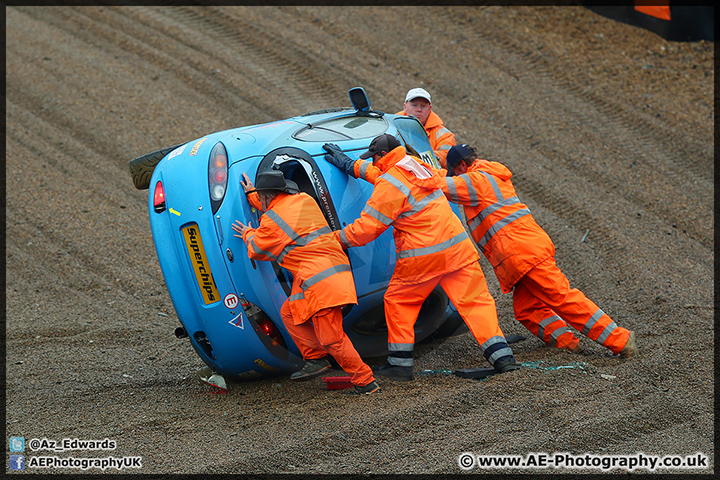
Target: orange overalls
[
  {"x": 441, "y": 139},
  {"x": 293, "y": 232},
  {"x": 432, "y": 248},
  {"x": 523, "y": 257}
]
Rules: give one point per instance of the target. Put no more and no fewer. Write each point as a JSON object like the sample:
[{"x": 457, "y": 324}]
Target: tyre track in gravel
[
  {"x": 671, "y": 158},
  {"x": 139, "y": 387}
]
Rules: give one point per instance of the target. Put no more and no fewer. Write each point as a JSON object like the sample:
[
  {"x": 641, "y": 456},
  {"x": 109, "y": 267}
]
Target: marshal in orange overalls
[
  {"x": 523, "y": 257},
  {"x": 432, "y": 248},
  {"x": 294, "y": 233}
]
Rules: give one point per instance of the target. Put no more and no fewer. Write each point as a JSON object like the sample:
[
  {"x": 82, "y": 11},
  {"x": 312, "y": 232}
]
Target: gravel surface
[{"x": 608, "y": 129}]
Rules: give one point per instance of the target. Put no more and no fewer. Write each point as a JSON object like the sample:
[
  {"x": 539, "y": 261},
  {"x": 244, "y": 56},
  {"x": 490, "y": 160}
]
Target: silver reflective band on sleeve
[
  {"x": 344, "y": 240},
  {"x": 380, "y": 217},
  {"x": 453, "y": 189},
  {"x": 444, "y": 147},
  {"x": 440, "y": 132},
  {"x": 401, "y": 347},
  {"x": 495, "y": 227},
  {"x": 318, "y": 277},
  {"x": 416, "y": 252},
  {"x": 363, "y": 169},
  {"x": 261, "y": 252},
  {"x": 592, "y": 321}
]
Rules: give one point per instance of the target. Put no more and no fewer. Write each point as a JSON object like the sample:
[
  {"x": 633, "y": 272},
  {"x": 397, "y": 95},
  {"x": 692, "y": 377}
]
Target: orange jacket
[
  {"x": 293, "y": 232},
  {"x": 501, "y": 226},
  {"x": 441, "y": 139},
  {"x": 430, "y": 240}
]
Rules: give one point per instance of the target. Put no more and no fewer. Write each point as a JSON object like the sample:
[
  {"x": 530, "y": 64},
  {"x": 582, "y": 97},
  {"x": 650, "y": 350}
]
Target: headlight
[{"x": 217, "y": 175}]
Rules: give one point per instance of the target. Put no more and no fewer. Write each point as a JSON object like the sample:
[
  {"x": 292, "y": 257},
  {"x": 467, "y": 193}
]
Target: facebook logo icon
[{"x": 17, "y": 462}]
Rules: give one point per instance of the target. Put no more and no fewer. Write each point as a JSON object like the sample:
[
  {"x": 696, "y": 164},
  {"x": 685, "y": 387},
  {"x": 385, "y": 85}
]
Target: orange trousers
[
  {"x": 544, "y": 302},
  {"x": 466, "y": 288},
  {"x": 323, "y": 334}
]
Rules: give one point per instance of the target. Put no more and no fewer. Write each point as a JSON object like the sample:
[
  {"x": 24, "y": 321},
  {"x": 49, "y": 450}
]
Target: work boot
[
  {"x": 368, "y": 389},
  {"x": 312, "y": 369},
  {"x": 507, "y": 365},
  {"x": 630, "y": 349},
  {"x": 401, "y": 374},
  {"x": 576, "y": 349}
]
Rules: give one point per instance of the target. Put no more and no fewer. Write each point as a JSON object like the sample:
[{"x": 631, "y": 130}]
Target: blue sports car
[{"x": 229, "y": 305}]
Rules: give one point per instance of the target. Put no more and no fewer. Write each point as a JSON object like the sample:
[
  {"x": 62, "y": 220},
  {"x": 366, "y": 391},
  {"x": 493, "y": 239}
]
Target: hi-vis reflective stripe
[
  {"x": 398, "y": 184},
  {"x": 363, "y": 169},
  {"x": 548, "y": 321},
  {"x": 379, "y": 216},
  {"x": 401, "y": 347},
  {"x": 400, "y": 354},
  {"x": 607, "y": 331},
  {"x": 415, "y": 204},
  {"x": 503, "y": 350},
  {"x": 556, "y": 334},
  {"x": 592, "y": 321},
  {"x": 344, "y": 240},
  {"x": 299, "y": 241},
  {"x": 440, "y": 132},
  {"x": 318, "y": 277},
  {"x": 419, "y": 205},
  {"x": 490, "y": 209},
  {"x": 399, "y": 362},
  {"x": 416, "y": 252},
  {"x": 452, "y": 189},
  {"x": 500, "y": 224},
  {"x": 494, "y": 185}
]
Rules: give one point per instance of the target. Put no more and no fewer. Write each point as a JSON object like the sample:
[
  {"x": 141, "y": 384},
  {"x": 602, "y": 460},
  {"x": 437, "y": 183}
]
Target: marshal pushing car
[{"x": 229, "y": 305}]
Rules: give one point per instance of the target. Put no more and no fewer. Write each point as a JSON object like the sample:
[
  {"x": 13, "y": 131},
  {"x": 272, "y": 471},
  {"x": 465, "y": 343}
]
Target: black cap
[
  {"x": 457, "y": 153},
  {"x": 381, "y": 143},
  {"x": 274, "y": 180}
]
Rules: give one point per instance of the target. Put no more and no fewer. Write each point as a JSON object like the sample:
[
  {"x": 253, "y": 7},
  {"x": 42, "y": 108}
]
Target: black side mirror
[{"x": 359, "y": 99}]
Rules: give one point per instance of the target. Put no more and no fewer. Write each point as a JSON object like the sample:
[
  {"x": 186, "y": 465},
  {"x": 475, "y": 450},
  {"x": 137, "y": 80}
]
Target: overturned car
[{"x": 229, "y": 305}]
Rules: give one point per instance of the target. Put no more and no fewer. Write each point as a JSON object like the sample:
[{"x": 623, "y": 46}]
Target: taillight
[
  {"x": 217, "y": 175},
  {"x": 267, "y": 327},
  {"x": 159, "y": 198}
]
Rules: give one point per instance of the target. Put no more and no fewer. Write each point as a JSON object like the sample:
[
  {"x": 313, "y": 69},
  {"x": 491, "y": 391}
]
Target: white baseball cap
[{"x": 417, "y": 92}]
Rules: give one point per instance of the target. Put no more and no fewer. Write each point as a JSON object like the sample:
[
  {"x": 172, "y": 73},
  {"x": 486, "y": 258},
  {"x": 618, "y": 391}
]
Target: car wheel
[{"x": 141, "y": 168}]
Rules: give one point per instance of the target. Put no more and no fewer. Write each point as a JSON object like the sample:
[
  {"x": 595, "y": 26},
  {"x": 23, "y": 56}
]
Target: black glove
[{"x": 339, "y": 159}]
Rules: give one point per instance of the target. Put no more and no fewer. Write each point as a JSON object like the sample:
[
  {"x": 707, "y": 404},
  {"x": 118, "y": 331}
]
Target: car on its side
[{"x": 229, "y": 305}]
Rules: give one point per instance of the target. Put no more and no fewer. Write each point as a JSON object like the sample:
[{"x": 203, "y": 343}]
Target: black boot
[
  {"x": 312, "y": 369},
  {"x": 402, "y": 374}
]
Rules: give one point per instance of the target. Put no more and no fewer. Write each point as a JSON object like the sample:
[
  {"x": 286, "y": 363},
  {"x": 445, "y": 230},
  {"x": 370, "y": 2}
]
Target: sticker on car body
[
  {"x": 203, "y": 274},
  {"x": 196, "y": 147}
]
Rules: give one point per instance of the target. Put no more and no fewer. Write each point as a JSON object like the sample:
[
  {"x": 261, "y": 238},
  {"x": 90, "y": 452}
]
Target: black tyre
[
  {"x": 454, "y": 325},
  {"x": 141, "y": 168}
]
